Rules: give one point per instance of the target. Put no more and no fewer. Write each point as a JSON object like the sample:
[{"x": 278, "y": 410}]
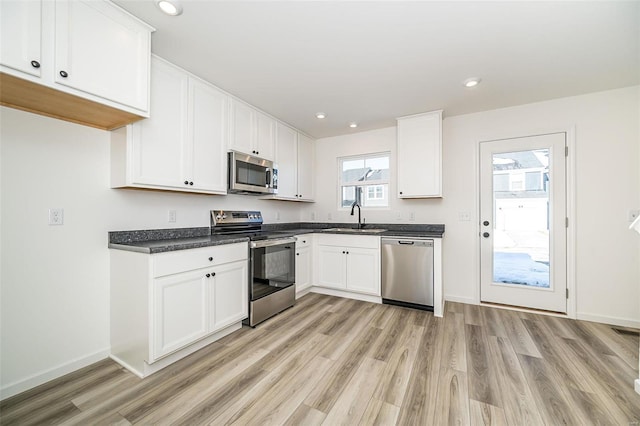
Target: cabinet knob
[
  {"x": 208, "y": 275},
  {"x": 344, "y": 252},
  {"x": 400, "y": 192},
  {"x": 64, "y": 74},
  {"x": 297, "y": 254},
  {"x": 211, "y": 259},
  {"x": 191, "y": 183},
  {"x": 304, "y": 241},
  {"x": 186, "y": 182},
  {"x": 347, "y": 252},
  {"x": 213, "y": 274},
  {"x": 253, "y": 152},
  {"x": 486, "y": 235},
  {"x": 257, "y": 152},
  {"x": 485, "y": 223},
  {"x": 35, "y": 64}
]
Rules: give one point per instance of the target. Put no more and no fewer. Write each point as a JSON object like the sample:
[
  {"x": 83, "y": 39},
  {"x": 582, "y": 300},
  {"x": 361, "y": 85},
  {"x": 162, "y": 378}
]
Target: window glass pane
[{"x": 355, "y": 173}]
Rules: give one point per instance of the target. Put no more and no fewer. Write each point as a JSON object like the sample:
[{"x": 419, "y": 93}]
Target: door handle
[
  {"x": 410, "y": 243},
  {"x": 486, "y": 235}
]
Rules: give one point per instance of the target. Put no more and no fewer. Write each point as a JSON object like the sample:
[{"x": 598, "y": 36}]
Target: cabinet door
[
  {"x": 265, "y": 136},
  {"x": 179, "y": 311},
  {"x": 331, "y": 267},
  {"x": 419, "y": 156},
  {"x": 229, "y": 295},
  {"x": 306, "y": 152},
  {"x": 20, "y": 35},
  {"x": 158, "y": 143},
  {"x": 103, "y": 51},
  {"x": 207, "y": 158},
  {"x": 303, "y": 268},
  {"x": 363, "y": 270},
  {"x": 242, "y": 132},
  {"x": 286, "y": 160}
]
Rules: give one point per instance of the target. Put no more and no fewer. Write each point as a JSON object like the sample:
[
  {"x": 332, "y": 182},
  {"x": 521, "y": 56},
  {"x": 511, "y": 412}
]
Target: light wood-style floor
[{"x": 338, "y": 361}]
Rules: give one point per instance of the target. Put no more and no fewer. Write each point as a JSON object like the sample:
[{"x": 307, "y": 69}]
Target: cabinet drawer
[
  {"x": 188, "y": 260},
  {"x": 363, "y": 241},
  {"x": 304, "y": 240}
]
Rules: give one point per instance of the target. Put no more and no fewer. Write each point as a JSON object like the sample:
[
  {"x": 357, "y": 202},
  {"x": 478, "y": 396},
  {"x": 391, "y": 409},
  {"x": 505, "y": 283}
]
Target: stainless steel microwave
[{"x": 251, "y": 175}]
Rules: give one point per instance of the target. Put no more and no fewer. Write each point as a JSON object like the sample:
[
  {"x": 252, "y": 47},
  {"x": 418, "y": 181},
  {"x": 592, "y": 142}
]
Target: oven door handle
[{"x": 269, "y": 243}]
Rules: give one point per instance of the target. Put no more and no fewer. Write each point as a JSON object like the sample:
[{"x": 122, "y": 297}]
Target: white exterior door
[{"x": 523, "y": 236}]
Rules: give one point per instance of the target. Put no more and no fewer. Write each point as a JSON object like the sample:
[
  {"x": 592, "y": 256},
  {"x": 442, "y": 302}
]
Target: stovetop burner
[{"x": 244, "y": 224}]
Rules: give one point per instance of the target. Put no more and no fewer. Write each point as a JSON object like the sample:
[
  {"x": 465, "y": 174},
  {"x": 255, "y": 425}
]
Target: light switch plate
[{"x": 172, "y": 216}]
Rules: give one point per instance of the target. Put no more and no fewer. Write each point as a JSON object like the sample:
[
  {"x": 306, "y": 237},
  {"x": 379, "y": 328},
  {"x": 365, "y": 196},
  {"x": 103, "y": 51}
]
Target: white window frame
[{"x": 341, "y": 184}]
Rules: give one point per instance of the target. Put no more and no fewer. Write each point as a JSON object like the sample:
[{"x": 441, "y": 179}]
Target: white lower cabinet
[
  {"x": 165, "y": 306},
  {"x": 349, "y": 263},
  {"x": 180, "y": 311},
  {"x": 304, "y": 262}
]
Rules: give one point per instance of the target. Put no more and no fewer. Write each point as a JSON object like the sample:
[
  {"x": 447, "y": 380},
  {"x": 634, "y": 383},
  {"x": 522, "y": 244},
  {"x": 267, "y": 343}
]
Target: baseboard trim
[
  {"x": 346, "y": 294},
  {"x": 7, "y": 391},
  {"x": 623, "y": 322},
  {"x": 457, "y": 299}
]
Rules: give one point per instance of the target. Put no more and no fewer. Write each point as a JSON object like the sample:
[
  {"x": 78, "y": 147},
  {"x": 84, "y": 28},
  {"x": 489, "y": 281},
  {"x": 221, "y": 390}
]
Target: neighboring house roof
[
  {"x": 356, "y": 175},
  {"x": 520, "y": 160}
]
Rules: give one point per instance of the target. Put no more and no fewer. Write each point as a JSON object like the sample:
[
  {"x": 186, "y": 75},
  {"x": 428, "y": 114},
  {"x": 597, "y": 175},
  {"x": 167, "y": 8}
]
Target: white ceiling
[{"x": 371, "y": 62}]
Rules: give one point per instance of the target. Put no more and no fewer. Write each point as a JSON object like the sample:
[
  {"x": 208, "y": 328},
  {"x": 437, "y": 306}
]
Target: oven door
[{"x": 273, "y": 266}]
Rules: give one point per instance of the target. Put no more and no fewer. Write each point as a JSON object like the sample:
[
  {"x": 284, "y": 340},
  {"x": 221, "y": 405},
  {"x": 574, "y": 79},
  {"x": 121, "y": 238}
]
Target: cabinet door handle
[
  {"x": 35, "y": 64},
  {"x": 64, "y": 74}
]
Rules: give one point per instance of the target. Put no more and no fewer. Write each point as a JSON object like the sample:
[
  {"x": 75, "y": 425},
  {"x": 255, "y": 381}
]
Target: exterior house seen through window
[{"x": 365, "y": 177}]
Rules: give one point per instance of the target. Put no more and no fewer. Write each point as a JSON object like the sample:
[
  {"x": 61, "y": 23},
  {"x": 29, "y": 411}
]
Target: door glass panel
[{"x": 521, "y": 218}]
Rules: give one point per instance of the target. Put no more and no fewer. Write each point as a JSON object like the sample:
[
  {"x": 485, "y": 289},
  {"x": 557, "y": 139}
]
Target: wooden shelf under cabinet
[{"x": 39, "y": 99}]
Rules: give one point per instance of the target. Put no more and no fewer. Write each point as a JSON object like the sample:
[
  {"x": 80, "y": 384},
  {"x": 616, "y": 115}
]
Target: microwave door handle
[{"x": 268, "y": 182}]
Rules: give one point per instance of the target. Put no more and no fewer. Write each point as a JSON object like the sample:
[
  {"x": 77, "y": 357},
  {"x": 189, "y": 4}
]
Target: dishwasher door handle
[{"x": 406, "y": 242}]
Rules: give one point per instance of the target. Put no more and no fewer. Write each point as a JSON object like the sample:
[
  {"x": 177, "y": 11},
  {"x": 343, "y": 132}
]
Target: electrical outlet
[
  {"x": 464, "y": 217},
  {"x": 172, "y": 216},
  {"x": 56, "y": 216},
  {"x": 412, "y": 216},
  {"x": 633, "y": 214},
  {"x": 398, "y": 215}
]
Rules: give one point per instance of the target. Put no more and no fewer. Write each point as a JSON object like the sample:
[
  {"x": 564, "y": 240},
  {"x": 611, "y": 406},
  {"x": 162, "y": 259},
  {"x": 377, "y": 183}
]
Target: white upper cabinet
[
  {"x": 94, "y": 54},
  {"x": 157, "y": 145},
  {"x": 101, "y": 50},
  {"x": 207, "y": 158},
  {"x": 286, "y": 159},
  {"x": 20, "y": 36},
  {"x": 419, "y": 166},
  {"x": 252, "y": 132},
  {"x": 306, "y": 157},
  {"x": 182, "y": 146},
  {"x": 295, "y": 160}
]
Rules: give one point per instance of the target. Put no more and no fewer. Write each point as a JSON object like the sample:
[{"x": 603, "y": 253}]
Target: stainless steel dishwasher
[{"x": 407, "y": 272}]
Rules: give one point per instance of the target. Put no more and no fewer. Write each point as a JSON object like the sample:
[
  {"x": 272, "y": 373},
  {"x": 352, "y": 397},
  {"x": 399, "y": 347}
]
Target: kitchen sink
[{"x": 354, "y": 230}]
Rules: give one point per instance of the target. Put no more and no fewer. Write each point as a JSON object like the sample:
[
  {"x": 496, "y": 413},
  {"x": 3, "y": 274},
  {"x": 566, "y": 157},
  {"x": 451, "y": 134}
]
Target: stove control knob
[
  {"x": 224, "y": 216},
  {"x": 218, "y": 217}
]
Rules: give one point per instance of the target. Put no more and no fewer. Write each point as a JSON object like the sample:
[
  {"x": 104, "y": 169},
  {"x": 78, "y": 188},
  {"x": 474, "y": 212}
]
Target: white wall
[
  {"x": 54, "y": 280},
  {"x": 607, "y": 187}
]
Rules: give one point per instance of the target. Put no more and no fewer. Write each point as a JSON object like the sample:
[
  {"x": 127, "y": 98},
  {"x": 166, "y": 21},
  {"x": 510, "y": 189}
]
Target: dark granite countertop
[{"x": 163, "y": 240}]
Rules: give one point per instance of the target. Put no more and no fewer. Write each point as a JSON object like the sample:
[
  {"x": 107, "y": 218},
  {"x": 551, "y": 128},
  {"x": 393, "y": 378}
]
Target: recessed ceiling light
[
  {"x": 471, "y": 82},
  {"x": 170, "y": 7},
  {"x": 353, "y": 124},
  {"x": 321, "y": 115}
]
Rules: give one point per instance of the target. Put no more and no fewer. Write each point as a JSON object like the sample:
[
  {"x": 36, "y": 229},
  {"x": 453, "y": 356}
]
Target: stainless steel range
[{"x": 272, "y": 267}]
